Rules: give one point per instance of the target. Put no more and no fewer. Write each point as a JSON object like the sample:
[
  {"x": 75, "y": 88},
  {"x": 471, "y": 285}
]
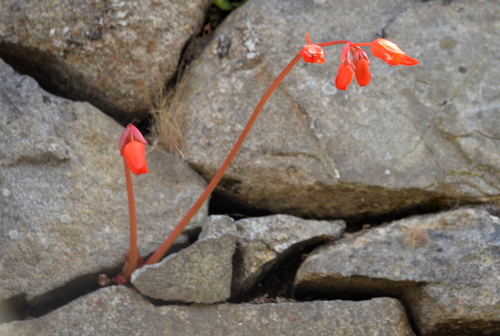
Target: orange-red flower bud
[
  {"x": 390, "y": 53},
  {"x": 344, "y": 77},
  {"x": 135, "y": 156},
  {"x": 133, "y": 148},
  {"x": 312, "y": 53}
]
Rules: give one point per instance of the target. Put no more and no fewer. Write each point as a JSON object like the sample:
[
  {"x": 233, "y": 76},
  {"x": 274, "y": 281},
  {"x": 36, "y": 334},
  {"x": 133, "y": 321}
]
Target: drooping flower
[
  {"x": 312, "y": 53},
  {"x": 133, "y": 148},
  {"x": 390, "y": 53},
  {"x": 346, "y": 69},
  {"x": 361, "y": 62},
  {"x": 344, "y": 77}
]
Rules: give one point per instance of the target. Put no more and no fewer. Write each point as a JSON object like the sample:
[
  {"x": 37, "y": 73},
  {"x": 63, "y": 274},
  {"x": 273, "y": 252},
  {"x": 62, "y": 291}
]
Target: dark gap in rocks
[
  {"x": 276, "y": 283},
  {"x": 18, "y": 308},
  {"x": 445, "y": 2},
  {"x": 192, "y": 49},
  {"x": 38, "y": 65},
  {"x": 160, "y": 303},
  {"x": 197, "y": 43},
  {"x": 360, "y": 288},
  {"x": 30, "y": 62},
  {"x": 362, "y": 222},
  {"x": 21, "y": 309},
  {"x": 220, "y": 205},
  {"x": 192, "y": 237},
  {"x": 41, "y": 66}
]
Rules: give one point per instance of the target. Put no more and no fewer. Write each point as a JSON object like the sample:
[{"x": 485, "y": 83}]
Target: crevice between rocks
[
  {"x": 222, "y": 204},
  {"x": 275, "y": 284},
  {"x": 21, "y": 308},
  {"x": 360, "y": 288}
]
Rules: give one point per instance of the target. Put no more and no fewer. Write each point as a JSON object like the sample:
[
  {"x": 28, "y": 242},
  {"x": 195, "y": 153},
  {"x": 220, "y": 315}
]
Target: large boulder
[
  {"x": 422, "y": 135},
  {"x": 446, "y": 268},
  {"x": 63, "y": 200},
  {"x": 118, "y": 311},
  {"x": 114, "y": 54}
]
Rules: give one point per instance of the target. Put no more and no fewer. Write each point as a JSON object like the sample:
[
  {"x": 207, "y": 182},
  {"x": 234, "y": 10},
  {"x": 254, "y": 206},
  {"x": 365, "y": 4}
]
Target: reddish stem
[
  {"x": 331, "y": 43},
  {"x": 361, "y": 44},
  {"x": 162, "y": 250},
  {"x": 133, "y": 254}
]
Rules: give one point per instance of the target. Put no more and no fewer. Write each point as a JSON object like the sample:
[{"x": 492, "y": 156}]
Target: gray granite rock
[
  {"x": 217, "y": 226},
  {"x": 121, "y": 312},
  {"x": 414, "y": 135},
  {"x": 445, "y": 266},
  {"x": 115, "y": 54},
  {"x": 200, "y": 273},
  {"x": 263, "y": 242},
  {"x": 63, "y": 200}
]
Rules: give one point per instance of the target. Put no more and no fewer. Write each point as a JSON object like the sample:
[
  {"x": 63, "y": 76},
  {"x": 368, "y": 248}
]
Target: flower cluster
[
  {"x": 133, "y": 148},
  {"x": 354, "y": 61}
]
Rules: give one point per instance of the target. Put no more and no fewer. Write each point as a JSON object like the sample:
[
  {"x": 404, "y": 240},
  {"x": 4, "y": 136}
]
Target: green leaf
[{"x": 228, "y": 5}]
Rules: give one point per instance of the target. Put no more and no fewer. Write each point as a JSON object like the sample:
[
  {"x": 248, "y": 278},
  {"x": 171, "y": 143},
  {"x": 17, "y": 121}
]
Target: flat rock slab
[
  {"x": 200, "y": 273},
  {"x": 63, "y": 200},
  {"x": 445, "y": 266},
  {"x": 119, "y": 311},
  {"x": 414, "y": 135},
  {"x": 115, "y": 54},
  {"x": 263, "y": 242}
]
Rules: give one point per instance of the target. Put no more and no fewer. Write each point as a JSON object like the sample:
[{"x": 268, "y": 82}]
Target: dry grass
[
  {"x": 167, "y": 118},
  {"x": 168, "y": 112}
]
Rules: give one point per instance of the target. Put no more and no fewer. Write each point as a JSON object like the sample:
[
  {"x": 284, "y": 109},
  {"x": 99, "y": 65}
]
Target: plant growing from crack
[
  {"x": 354, "y": 62},
  {"x": 133, "y": 149}
]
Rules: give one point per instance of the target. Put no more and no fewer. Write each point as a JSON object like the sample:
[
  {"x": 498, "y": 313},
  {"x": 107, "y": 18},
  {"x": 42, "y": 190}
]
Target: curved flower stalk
[
  {"x": 133, "y": 149},
  {"x": 354, "y": 62}
]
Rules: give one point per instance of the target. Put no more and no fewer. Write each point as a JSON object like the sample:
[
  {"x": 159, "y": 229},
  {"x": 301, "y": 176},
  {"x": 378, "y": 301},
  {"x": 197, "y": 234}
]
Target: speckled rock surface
[
  {"x": 114, "y": 54},
  {"x": 266, "y": 241},
  {"x": 121, "y": 312},
  {"x": 415, "y": 135},
  {"x": 63, "y": 200},
  {"x": 445, "y": 266},
  {"x": 200, "y": 273}
]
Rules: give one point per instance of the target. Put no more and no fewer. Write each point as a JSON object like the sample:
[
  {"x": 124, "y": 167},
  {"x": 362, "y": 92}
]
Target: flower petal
[
  {"x": 381, "y": 53},
  {"x": 135, "y": 156},
  {"x": 407, "y": 60},
  {"x": 390, "y": 53},
  {"x": 363, "y": 75},
  {"x": 125, "y": 137},
  {"x": 344, "y": 77},
  {"x": 388, "y": 45}
]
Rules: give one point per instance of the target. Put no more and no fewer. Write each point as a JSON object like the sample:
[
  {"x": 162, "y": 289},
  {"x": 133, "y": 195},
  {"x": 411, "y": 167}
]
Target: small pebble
[
  {"x": 329, "y": 89},
  {"x": 13, "y": 234},
  {"x": 65, "y": 218}
]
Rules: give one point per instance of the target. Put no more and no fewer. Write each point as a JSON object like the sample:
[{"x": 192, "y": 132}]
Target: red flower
[
  {"x": 390, "y": 53},
  {"x": 133, "y": 149},
  {"x": 345, "y": 73},
  {"x": 312, "y": 53},
  {"x": 363, "y": 74},
  {"x": 361, "y": 62},
  {"x": 344, "y": 76}
]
